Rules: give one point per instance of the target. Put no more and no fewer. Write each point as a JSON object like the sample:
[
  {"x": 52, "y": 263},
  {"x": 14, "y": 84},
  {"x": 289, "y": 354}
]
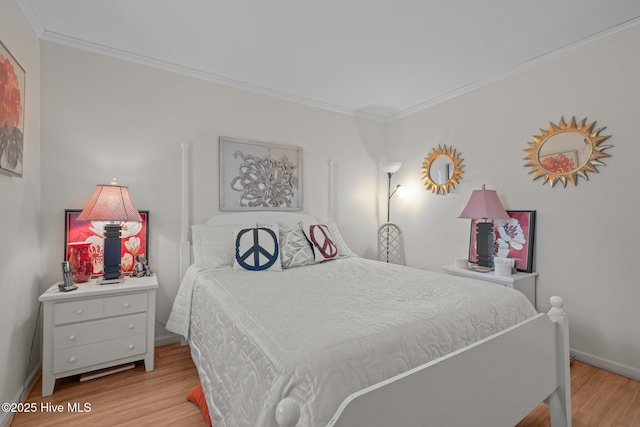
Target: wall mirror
[
  {"x": 442, "y": 170},
  {"x": 566, "y": 151}
]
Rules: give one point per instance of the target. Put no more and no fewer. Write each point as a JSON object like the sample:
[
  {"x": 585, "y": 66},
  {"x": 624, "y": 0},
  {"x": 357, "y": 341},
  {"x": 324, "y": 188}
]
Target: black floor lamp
[
  {"x": 389, "y": 234},
  {"x": 390, "y": 168}
]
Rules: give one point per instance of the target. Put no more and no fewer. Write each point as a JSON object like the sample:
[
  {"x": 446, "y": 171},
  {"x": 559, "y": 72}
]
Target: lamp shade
[
  {"x": 390, "y": 167},
  {"x": 484, "y": 204},
  {"x": 110, "y": 203}
]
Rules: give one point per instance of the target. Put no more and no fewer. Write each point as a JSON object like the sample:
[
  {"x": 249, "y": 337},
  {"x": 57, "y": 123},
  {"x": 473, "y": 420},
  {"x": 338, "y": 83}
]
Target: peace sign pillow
[
  {"x": 257, "y": 249},
  {"x": 324, "y": 248}
]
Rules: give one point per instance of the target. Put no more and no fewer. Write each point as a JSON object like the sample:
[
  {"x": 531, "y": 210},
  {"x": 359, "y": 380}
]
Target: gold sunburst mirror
[
  {"x": 442, "y": 170},
  {"x": 566, "y": 151}
]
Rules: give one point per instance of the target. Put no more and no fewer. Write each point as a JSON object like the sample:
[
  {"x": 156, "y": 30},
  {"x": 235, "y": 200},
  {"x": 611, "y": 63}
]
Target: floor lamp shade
[
  {"x": 390, "y": 167},
  {"x": 484, "y": 205},
  {"x": 111, "y": 203}
]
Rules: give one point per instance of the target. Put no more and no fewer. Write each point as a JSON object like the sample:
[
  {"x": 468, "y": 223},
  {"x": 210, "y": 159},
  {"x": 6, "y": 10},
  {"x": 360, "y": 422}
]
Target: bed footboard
[{"x": 497, "y": 381}]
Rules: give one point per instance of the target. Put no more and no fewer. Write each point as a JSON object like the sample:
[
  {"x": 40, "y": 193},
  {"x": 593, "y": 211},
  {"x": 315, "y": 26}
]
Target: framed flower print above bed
[
  {"x": 259, "y": 176},
  {"x": 514, "y": 238}
]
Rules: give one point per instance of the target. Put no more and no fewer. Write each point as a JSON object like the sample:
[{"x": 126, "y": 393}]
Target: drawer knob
[
  {"x": 127, "y": 305},
  {"x": 131, "y": 326},
  {"x": 72, "y": 337},
  {"x": 79, "y": 311},
  {"x": 72, "y": 359},
  {"x": 131, "y": 346}
]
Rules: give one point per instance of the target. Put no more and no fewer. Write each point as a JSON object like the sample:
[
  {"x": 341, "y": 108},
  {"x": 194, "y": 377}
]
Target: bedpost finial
[
  {"x": 556, "y": 312},
  {"x": 556, "y": 302},
  {"x": 287, "y": 412}
]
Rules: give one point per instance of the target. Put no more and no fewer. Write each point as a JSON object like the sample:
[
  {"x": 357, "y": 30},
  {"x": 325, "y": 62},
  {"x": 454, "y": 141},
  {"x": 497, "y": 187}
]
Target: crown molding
[
  {"x": 198, "y": 74},
  {"x": 210, "y": 77},
  {"x": 525, "y": 66}
]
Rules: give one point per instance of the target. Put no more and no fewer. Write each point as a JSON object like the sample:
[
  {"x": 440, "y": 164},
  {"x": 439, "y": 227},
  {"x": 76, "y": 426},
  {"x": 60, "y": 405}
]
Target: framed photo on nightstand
[
  {"x": 134, "y": 239},
  {"x": 514, "y": 238}
]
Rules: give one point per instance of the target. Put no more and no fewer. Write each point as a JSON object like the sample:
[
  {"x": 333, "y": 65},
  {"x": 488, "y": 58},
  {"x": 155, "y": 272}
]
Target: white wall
[
  {"x": 105, "y": 118},
  {"x": 19, "y": 214},
  {"x": 586, "y": 237}
]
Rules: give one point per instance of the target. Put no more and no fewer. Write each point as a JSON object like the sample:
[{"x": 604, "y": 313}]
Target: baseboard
[
  {"x": 5, "y": 417},
  {"x": 606, "y": 364},
  {"x": 166, "y": 338}
]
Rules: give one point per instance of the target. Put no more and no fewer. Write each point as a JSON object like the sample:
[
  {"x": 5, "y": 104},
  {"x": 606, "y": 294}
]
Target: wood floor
[
  {"x": 598, "y": 398},
  {"x": 130, "y": 398},
  {"x": 138, "y": 398}
]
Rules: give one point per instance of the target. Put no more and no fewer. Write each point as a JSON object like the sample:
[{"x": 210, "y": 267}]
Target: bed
[{"x": 353, "y": 342}]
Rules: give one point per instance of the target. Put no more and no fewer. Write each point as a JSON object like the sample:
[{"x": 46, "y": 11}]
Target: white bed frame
[{"x": 494, "y": 382}]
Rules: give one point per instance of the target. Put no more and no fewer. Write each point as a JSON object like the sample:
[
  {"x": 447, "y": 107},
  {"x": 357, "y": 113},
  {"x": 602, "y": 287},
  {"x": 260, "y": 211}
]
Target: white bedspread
[{"x": 319, "y": 333}]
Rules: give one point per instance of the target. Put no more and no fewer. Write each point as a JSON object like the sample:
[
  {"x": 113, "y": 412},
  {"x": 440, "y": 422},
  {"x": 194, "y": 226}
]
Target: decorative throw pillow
[
  {"x": 212, "y": 245},
  {"x": 257, "y": 249},
  {"x": 196, "y": 395},
  {"x": 295, "y": 249},
  {"x": 343, "y": 249},
  {"x": 324, "y": 247}
]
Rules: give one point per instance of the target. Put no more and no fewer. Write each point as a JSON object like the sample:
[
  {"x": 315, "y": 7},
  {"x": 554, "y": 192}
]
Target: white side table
[
  {"x": 97, "y": 327},
  {"x": 523, "y": 282}
]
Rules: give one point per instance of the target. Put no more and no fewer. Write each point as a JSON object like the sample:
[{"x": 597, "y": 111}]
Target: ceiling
[{"x": 380, "y": 59}]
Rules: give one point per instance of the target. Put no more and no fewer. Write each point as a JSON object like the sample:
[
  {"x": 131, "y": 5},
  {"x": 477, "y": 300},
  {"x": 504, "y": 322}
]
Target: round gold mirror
[
  {"x": 566, "y": 151},
  {"x": 442, "y": 169}
]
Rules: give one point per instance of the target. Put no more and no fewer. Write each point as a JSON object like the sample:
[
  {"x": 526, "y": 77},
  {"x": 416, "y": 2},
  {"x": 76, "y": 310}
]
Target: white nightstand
[
  {"x": 523, "y": 282},
  {"x": 97, "y": 327}
]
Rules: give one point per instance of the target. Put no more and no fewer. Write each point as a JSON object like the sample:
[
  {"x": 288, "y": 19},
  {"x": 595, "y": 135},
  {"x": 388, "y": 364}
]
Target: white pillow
[
  {"x": 257, "y": 248},
  {"x": 213, "y": 245},
  {"x": 343, "y": 249},
  {"x": 324, "y": 248},
  {"x": 295, "y": 248}
]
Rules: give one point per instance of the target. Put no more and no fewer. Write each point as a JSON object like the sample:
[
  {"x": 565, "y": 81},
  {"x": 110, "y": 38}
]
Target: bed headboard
[
  {"x": 267, "y": 217},
  {"x": 253, "y": 217}
]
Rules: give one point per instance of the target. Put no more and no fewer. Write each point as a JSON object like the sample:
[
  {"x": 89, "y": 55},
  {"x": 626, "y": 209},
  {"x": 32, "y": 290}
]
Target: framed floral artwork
[
  {"x": 514, "y": 238},
  {"x": 259, "y": 176},
  {"x": 12, "y": 86},
  {"x": 134, "y": 239}
]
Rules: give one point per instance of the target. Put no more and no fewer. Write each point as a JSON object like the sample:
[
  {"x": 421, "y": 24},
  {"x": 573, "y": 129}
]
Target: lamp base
[
  {"x": 103, "y": 281},
  {"x": 484, "y": 244},
  {"x": 111, "y": 264}
]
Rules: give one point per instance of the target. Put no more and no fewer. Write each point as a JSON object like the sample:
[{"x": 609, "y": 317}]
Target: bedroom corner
[{"x": 20, "y": 218}]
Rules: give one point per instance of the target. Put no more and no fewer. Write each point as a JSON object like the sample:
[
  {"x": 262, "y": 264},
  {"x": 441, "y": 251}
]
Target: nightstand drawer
[
  {"x": 125, "y": 304},
  {"x": 99, "y": 330},
  {"x": 92, "y": 354},
  {"x": 77, "y": 311}
]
